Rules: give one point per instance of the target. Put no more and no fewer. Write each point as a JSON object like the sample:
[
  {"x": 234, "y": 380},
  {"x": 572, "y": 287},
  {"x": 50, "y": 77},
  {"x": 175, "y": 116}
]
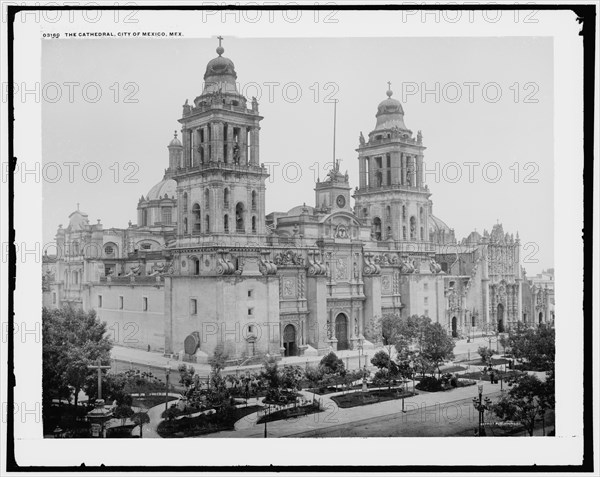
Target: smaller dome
[
  {"x": 220, "y": 66},
  {"x": 299, "y": 209},
  {"x": 166, "y": 186},
  {"x": 436, "y": 225},
  {"x": 175, "y": 142}
]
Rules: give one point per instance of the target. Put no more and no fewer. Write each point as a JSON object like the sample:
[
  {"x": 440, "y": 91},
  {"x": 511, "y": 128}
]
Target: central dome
[{"x": 220, "y": 75}]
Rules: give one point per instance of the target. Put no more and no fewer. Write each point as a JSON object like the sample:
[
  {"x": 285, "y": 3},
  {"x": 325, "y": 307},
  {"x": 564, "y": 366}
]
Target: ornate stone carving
[
  {"x": 315, "y": 266},
  {"x": 289, "y": 286},
  {"x": 224, "y": 265},
  {"x": 289, "y": 257},
  {"x": 341, "y": 231},
  {"x": 341, "y": 269},
  {"x": 265, "y": 266},
  {"x": 434, "y": 266},
  {"x": 369, "y": 266}
]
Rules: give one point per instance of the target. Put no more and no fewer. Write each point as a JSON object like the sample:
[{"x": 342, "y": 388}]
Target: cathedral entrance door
[
  {"x": 289, "y": 341},
  {"x": 341, "y": 332},
  {"x": 500, "y": 318},
  {"x": 454, "y": 330},
  {"x": 541, "y": 317}
]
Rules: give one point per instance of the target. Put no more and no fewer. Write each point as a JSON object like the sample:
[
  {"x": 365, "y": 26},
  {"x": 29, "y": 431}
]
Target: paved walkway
[{"x": 334, "y": 416}]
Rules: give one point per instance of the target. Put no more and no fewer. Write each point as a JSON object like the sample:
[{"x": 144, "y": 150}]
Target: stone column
[
  {"x": 230, "y": 143},
  {"x": 218, "y": 141},
  {"x": 420, "y": 171},
  {"x": 403, "y": 168},
  {"x": 361, "y": 172},
  {"x": 254, "y": 158},
  {"x": 243, "y": 144},
  {"x": 186, "y": 147}
]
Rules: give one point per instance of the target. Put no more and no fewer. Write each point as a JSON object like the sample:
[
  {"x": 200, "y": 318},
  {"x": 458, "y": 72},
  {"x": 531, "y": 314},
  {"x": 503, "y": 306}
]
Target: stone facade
[{"x": 205, "y": 267}]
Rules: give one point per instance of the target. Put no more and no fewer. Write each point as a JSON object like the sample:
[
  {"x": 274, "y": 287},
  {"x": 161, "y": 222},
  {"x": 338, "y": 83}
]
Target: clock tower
[{"x": 334, "y": 192}]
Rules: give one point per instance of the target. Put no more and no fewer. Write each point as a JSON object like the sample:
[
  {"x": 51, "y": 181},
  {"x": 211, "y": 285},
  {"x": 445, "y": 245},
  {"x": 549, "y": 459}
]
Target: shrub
[{"x": 429, "y": 383}]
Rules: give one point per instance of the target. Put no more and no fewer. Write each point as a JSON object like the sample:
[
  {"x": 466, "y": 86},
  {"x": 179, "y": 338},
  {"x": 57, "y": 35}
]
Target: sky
[{"x": 488, "y": 111}]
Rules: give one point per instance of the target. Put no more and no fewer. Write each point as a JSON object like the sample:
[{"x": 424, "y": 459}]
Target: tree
[
  {"x": 141, "y": 418},
  {"x": 437, "y": 345},
  {"x": 71, "y": 340},
  {"x": 388, "y": 369},
  {"x": 331, "y": 364},
  {"x": 527, "y": 399},
  {"x": 534, "y": 346},
  {"x": 186, "y": 376},
  {"x": 123, "y": 412},
  {"x": 485, "y": 353},
  {"x": 218, "y": 360}
]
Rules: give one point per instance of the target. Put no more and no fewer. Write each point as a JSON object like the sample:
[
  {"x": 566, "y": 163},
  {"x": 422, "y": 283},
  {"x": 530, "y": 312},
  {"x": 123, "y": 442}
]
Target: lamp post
[
  {"x": 481, "y": 405},
  {"x": 360, "y": 342},
  {"x": 167, "y": 372}
]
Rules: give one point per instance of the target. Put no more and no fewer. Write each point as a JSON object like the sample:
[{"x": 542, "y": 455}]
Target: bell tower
[
  {"x": 220, "y": 182},
  {"x": 391, "y": 196}
]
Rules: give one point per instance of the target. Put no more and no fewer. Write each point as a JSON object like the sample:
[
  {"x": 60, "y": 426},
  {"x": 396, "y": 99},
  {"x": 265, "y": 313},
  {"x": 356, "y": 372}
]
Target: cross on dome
[
  {"x": 220, "y": 49},
  {"x": 389, "y": 91}
]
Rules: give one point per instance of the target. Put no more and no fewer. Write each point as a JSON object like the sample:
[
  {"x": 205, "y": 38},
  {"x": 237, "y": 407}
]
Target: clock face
[{"x": 341, "y": 201}]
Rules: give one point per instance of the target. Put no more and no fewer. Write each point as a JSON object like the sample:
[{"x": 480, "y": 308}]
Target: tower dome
[
  {"x": 175, "y": 142},
  {"x": 220, "y": 75},
  {"x": 390, "y": 113}
]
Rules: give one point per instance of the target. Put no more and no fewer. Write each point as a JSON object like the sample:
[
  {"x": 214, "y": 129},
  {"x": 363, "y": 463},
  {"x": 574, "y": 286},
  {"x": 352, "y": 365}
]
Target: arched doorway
[
  {"x": 289, "y": 341},
  {"x": 500, "y": 318},
  {"x": 341, "y": 332},
  {"x": 454, "y": 330},
  {"x": 541, "y": 317}
]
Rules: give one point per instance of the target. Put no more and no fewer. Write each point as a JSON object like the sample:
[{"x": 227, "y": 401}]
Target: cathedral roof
[
  {"x": 390, "y": 114},
  {"x": 166, "y": 186}
]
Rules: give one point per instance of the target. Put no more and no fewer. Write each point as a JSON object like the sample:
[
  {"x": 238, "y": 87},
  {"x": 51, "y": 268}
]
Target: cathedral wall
[
  {"x": 423, "y": 295},
  {"x": 317, "y": 306},
  {"x": 228, "y": 311},
  {"x": 130, "y": 325}
]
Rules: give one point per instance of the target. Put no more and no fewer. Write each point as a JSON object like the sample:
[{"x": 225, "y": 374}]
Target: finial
[
  {"x": 389, "y": 91},
  {"x": 220, "y": 49},
  {"x": 175, "y": 134}
]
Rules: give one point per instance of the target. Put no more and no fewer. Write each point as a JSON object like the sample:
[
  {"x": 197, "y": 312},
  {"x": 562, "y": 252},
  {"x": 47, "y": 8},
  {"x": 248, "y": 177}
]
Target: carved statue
[{"x": 361, "y": 139}]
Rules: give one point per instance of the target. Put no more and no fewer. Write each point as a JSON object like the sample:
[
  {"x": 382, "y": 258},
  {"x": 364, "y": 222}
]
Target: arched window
[
  {"x": 185, "y": 202},
  {"x": 253, "y": 224},
  {"x": 196, "y": 266},
  {"x": 226, "y": 223},
  {"x": 421, "y": 215},
  {"x": 413, "y": 228},
  {"x": 197, "y": 218},
  {"x": 422, "y": 234},
  {"x": 207, "y": 224},
  {"x": 365, "y": 213},
  {"x": 239, "y": 217},
  {"x": 207, "y": 198},
  {"x": 75, "y": 247},
  {"x": 377, "y": 228},
  {"x": 226, "y": 198},
  {"x": 166, "y": 215},
  {"x": 404, "y": 232},
  {"x": 253, "y": 200},
  {"x": 388, "y": 212},
  {"x": 75, "y": 278},
  {"x": 403, "y": 212},
  {"x": 185, "y": 225}
]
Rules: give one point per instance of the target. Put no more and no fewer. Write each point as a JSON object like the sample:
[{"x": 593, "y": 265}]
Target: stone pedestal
[{"x": 98, "y": 417}]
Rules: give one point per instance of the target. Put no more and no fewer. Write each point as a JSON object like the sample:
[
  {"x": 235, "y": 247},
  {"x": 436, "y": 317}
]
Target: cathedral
[{"x": 206, "y": 266}]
